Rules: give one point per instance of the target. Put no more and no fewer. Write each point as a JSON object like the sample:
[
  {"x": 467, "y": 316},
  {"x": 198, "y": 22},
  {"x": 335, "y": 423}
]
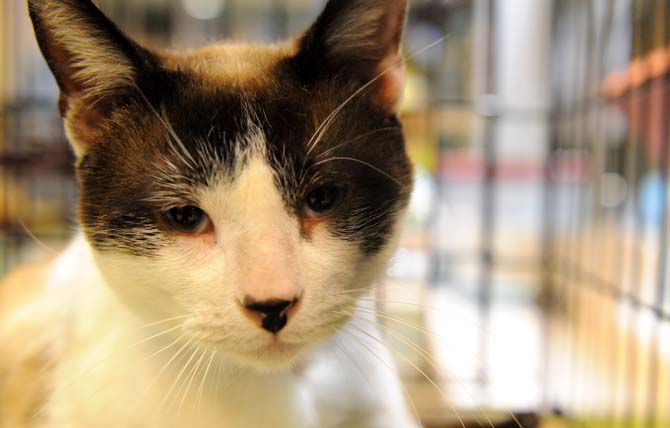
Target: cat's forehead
[
  {"x": 233, "y": 89},
  {"x": 239, "y": 66}
]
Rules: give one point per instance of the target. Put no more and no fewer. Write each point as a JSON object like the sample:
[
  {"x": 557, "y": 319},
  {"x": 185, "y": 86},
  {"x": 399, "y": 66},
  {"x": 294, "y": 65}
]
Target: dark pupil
[
  {"x": 323, "y": 199},
  {"x": 187, "y": 217}
]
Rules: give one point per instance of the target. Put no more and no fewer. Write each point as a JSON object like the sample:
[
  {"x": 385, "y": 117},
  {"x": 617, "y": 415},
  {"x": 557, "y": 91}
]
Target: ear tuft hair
[
  {"x": 94, "y": 63},
  {"x": 88, "y": 55},
  {"x": 359, "y": 37}
]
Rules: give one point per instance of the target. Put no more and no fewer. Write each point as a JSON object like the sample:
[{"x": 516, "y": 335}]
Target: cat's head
[{"x": 255, "y": 190}]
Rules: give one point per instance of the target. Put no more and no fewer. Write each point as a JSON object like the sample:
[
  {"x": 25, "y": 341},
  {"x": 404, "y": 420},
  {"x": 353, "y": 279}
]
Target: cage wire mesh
[
  {"x": 535, "y": 259},
  {"x": 607, "y": 260}
]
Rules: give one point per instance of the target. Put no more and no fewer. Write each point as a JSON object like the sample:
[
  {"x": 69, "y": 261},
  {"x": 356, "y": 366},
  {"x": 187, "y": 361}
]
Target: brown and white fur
[{"x": 140, "y": 323}]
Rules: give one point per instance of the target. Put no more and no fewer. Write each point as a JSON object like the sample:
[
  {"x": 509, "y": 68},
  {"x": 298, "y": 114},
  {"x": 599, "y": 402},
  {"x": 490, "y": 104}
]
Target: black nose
[{"x": 273, "y": 313}]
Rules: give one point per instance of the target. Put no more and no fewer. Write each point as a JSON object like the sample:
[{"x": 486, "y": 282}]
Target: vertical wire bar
[
  {"x": 15, "y": 125},
  {"x": 619, "y": 331},
  {"x": 574, "y": 276},
  {"x": 622, "y": 356},
  {"x": 568, "y": 132},
  {"x": 4, "y": 239},
  {"x": 596, "y": 313},
  {"x": 648, "y": 383},
  {"x": 585, "y": 150},
  {"x": 566, "y": 202},
  {"x": 637, "y": 287},
  {"x": 663, "y": 250},
  {"x": 607, "y": 326},
  {"x": 549, "y": 228},
  {"x": 630, "y": 292},
  {"x": 488, "y": 195},
  {"x": 559, "y": 246},
  {"x": 27, "y": 174},
  {"x": 282, "y": 17},
  {"x": 547, "y": 276}
]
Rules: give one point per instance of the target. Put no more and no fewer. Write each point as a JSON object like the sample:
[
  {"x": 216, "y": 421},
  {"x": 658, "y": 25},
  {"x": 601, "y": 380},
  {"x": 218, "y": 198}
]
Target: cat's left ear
[{"x": 361, "y": 39}]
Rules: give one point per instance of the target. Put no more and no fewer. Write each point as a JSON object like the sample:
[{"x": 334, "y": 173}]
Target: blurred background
[{"x": 534, "y": 273}]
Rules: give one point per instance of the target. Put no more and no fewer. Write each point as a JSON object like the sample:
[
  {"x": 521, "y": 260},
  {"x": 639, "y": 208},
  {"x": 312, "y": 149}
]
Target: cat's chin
[{"x": 277, "y": 356}]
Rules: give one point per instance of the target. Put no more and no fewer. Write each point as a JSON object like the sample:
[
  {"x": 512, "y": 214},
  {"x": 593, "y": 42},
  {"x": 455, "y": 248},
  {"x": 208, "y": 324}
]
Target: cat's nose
[{"x": 271, "y": 314}]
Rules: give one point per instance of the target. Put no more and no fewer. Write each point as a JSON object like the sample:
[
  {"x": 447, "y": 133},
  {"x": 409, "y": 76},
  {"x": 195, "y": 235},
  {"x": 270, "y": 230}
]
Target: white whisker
[
  {"x": 442, "y": 340},
  {"x": 165, "y": 367},
  {"x": 32, "y": 236},
  {"x": 181, "y": 152},
  {"x": 176, "y": 381},
  {"x": 321, "y": 130},
  {"x": 191, "y": 377},
  {"x": 418, "y": 369},
  {"x": 427, "y": 357},
  {"x": 162, "y": 333},
  {"x": 343, "y": 158},
  {"x": 385, "y": 364},
  {"x": 204, "y": 378}
]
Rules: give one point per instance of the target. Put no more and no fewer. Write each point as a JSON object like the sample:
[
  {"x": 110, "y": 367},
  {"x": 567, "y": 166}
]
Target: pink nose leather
[
  {"x": 267, "y": 268},
  {"x": 262, "y": 285}
]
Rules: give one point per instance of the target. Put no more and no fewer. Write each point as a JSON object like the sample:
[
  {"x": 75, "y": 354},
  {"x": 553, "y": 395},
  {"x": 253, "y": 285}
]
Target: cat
[{"x": 236, "y": 203}]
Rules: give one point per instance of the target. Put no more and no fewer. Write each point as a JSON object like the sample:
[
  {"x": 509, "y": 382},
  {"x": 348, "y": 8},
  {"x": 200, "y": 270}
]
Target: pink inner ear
[
  {"x": 82, "y": 124},
  {"x": 392, "y": 83}
]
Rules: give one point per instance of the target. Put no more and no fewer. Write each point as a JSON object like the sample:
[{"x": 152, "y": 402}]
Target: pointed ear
[
  {"x": 360, "y": 38},
  {"x": 91, "y": 59}
]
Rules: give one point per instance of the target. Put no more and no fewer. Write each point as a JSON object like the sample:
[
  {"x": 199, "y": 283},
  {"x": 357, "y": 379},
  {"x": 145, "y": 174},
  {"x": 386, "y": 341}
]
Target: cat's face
[{"x": 255, "y": 190}]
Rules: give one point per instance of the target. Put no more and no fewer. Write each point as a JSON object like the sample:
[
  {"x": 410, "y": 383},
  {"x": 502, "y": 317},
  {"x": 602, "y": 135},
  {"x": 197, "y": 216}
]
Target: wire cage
[
  {"x": 607, "y": 260},
  {"x": 533, "y": 276}
]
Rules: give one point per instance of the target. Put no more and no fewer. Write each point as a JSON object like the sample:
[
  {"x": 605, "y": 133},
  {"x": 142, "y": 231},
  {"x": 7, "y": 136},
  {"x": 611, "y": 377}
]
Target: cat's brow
[{"x": 180, "y": 150}]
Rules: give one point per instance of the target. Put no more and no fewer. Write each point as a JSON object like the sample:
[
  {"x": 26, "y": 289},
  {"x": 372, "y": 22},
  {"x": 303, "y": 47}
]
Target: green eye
[
  {"x": 324, "y": 200},
  {"x": 189, "y": 219}
]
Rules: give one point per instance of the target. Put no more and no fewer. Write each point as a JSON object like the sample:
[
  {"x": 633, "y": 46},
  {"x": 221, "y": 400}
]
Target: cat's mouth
[
  {"x": 253, "y": 347},
  {"x": 279, "y": 346},
  {"x": 276, "y": 354}
]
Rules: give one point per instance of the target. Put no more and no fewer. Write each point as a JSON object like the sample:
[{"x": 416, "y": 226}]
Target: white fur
[{"x": 321, "y": 372}]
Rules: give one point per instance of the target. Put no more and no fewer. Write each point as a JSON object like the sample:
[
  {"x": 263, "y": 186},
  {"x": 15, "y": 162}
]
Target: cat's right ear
[{"x": 91, "y": 59}]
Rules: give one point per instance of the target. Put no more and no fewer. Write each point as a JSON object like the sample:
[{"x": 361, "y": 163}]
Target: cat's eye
[
  {"x": 324, "y": 200},
  {"x": 189, "y": 219}
]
